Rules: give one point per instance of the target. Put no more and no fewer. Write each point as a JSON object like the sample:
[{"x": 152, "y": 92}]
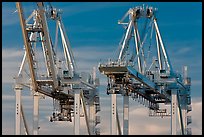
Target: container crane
[
  {"x": 45, "y": 74},
  {"x": 144, "y": 72}
]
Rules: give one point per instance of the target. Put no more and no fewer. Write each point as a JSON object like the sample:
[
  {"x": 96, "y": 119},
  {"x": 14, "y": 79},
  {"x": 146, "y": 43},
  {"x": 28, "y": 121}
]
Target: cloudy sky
[{"x": 94, "y": 35}]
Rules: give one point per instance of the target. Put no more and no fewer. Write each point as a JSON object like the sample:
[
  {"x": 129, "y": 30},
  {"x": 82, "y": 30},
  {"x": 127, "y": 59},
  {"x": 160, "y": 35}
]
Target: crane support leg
[
  {"x": 173, "y": 111},
  {"x": 118, "y": 123},
  {"x": 24, "y": 121},
  {"x": 125, "y": 114},
  {"x": 92, "y": 117},
  {"x": 183, "y": 111},
  {"x": 85, "y": 112},
  {"x": 77, "y": 111},
  {"x": 180, "y": 115},
  {"x": 35, "y": 113},
  {"x": 18, "y": 89},
  {"x": 113, "y": 114}
]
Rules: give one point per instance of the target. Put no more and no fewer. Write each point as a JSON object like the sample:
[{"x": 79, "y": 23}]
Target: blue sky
[{"x": 94, "y": 35}]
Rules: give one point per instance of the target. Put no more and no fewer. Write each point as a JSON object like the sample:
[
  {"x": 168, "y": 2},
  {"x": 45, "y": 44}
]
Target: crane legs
[
  {"x": 173, "y": 111},
  {"x": 125, "y": 114},
  {"x": 18, "y": 89},
  {"x": 35, "y": 113},
  {"x": 77, "y": 111},
  {"x": 113, "y": 115}
]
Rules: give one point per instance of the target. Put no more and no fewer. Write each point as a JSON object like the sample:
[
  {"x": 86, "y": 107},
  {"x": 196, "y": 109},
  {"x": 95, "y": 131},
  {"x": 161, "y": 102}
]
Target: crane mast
[
  {"x": 74, "y": 93},
  {"x": 133, "y": 74}
]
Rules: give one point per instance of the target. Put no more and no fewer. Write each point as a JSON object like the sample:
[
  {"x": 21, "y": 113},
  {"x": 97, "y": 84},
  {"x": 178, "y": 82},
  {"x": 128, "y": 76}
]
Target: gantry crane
[
  {"x": 46, "y": 73},
  {"x": 143, "y": 71}
]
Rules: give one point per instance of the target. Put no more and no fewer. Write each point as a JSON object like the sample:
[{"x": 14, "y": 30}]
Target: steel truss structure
[
  {"x": 143, "y": 71},
  {"x": 46, "y": 73}
]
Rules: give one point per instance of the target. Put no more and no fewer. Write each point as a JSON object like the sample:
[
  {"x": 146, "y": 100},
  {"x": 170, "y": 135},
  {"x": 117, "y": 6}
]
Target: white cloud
[
  {"x": 196, "y": 82},
  {"x": 140, "y": 123},
  {"x": 11, "y": 59},
  {"x": 184, "y": 50},
  {"x": 85, "y": 57},
  {"x": 83, "y": 7},
  {"x": 10, "y": 15}
]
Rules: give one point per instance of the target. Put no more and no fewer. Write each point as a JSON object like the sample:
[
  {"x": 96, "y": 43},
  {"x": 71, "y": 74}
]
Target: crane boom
[
  {"x": 48, "y": 45},
  {"x": 27, "y": 45}
]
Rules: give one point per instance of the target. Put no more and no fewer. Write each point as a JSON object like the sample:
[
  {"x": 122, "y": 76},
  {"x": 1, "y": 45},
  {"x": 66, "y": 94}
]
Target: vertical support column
[
  {"x": 184, "y": 105},
  {"x": 35, "y": 113},
  {"x": 125, "y": 114},
  {"x": 173, "y": 111},
  {"x": 24, "y": 121},
  {"x": 180, "y": 104},
  {"x": 183, "y": 110},
  {"x": 18, "y": 89},
  {"x": 83, "y": 104},
  {"x": 92, "y": 117},
  {"x": 113, "y": 114},
  {"x": 77, "y": 111}
]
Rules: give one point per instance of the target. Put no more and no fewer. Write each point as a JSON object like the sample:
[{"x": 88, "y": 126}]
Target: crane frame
[{"x": 70, "y": 90}]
